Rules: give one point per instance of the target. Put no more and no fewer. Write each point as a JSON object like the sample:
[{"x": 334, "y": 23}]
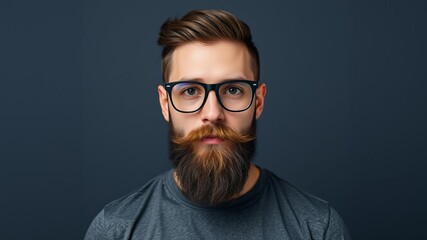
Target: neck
[{"x": 253, "y": 175}]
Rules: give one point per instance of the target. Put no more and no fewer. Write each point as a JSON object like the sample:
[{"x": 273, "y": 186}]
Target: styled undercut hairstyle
[{"x": 205, "y": 26}]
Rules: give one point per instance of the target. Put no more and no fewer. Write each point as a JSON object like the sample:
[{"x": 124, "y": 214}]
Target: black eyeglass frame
[{"x": 209, "y": 87}]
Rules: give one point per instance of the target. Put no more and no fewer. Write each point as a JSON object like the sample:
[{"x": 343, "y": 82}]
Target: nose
[{"x": 212, "y": 111}]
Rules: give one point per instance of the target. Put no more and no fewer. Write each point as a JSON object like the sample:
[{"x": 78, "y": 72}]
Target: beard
[{"x": 210, "y": 174}]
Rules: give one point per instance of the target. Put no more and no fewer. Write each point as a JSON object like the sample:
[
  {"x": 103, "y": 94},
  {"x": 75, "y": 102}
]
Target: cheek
[
  {"x": 183, "y": 124},
  {"x": 241, "y": 121}
]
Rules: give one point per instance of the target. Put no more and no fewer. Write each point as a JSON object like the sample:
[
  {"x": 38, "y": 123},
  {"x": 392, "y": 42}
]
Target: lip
[{"x": 211, "y": 140}]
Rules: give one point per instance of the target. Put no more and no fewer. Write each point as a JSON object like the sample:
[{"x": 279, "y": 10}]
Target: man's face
[
  {"x": 221, "y": 156},
  {"x": 211, "y": 63}
]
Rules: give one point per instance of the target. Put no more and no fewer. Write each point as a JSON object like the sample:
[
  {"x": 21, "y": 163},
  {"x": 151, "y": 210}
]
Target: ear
[
  {"x": 163, "y": 100},
  {"x": 259, "y": 99}
]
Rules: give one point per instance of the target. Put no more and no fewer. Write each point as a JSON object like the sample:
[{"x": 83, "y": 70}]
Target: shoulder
[
  {"x": 116, "y": 217},
  {"x": 136, "y": 198},
  {"x": 304, "y": 202},
  {"x": 307, "y": 210}
]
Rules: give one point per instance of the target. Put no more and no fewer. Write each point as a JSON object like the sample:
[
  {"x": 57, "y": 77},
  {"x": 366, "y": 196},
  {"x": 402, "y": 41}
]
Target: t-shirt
[{"x": 272, "y": 209}]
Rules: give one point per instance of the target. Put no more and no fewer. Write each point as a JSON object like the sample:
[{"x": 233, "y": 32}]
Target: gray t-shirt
[{"x": 272, "y": 209}]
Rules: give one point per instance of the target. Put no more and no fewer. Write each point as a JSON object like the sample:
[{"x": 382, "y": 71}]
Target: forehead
[{"x": 211, "y": 62}]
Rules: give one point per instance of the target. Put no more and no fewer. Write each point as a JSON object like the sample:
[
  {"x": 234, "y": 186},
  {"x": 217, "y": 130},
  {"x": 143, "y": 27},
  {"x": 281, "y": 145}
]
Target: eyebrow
[
  {"x": 189, "y": 80},
  {"x": 201, "y": 80}
]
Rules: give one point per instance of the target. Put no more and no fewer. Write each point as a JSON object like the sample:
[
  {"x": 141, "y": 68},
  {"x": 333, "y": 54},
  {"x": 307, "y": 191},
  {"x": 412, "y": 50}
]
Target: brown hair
[
  {"x": 205, "y": 26},
  {"x": 212, "y": 174}
]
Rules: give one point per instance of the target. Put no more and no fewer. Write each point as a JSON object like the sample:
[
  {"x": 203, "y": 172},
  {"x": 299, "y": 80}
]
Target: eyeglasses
[{"x": 190, "y": 96}]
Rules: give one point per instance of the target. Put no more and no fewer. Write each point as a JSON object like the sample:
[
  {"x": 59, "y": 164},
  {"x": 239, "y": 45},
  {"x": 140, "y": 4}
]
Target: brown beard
[{"x": 212, "y": 174}]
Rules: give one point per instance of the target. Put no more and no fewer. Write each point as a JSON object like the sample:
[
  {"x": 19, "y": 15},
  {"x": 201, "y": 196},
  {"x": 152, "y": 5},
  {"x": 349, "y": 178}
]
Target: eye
[
  {"x": 233, "y": 90},
  {"x": 190, "y": 91}
]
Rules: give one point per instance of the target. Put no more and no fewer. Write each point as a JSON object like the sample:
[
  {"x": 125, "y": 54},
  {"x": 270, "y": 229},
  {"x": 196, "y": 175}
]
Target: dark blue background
[{"x": 80, "y": 123}]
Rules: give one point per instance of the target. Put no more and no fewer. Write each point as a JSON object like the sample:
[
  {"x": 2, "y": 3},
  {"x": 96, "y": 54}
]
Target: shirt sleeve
[
  {"x": 97, "y": 229},
  {"x": 336, "y": 227}
]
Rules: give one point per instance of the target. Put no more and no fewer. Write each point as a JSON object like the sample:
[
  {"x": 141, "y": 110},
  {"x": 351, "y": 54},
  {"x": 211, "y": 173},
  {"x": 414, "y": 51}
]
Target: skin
[{"x": 213, "y": 63}]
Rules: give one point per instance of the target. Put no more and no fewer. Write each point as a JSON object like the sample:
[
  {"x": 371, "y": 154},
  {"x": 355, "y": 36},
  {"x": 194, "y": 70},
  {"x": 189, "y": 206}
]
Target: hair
[
  {"x": 205, "y": 26},
  {"x": 212, "y": 174}
]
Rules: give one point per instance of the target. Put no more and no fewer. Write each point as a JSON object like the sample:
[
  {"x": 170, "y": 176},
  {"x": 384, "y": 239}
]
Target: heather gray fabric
[{"x": 273, "y": 209}]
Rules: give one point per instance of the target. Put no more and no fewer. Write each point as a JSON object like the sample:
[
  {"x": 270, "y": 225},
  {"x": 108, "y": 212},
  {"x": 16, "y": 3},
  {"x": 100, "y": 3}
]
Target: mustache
[{"x": 216, "y": 131}]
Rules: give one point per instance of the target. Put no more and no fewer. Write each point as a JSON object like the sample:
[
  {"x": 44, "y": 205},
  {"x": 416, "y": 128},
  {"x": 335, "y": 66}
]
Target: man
[{"x": 211, "y": 98}]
